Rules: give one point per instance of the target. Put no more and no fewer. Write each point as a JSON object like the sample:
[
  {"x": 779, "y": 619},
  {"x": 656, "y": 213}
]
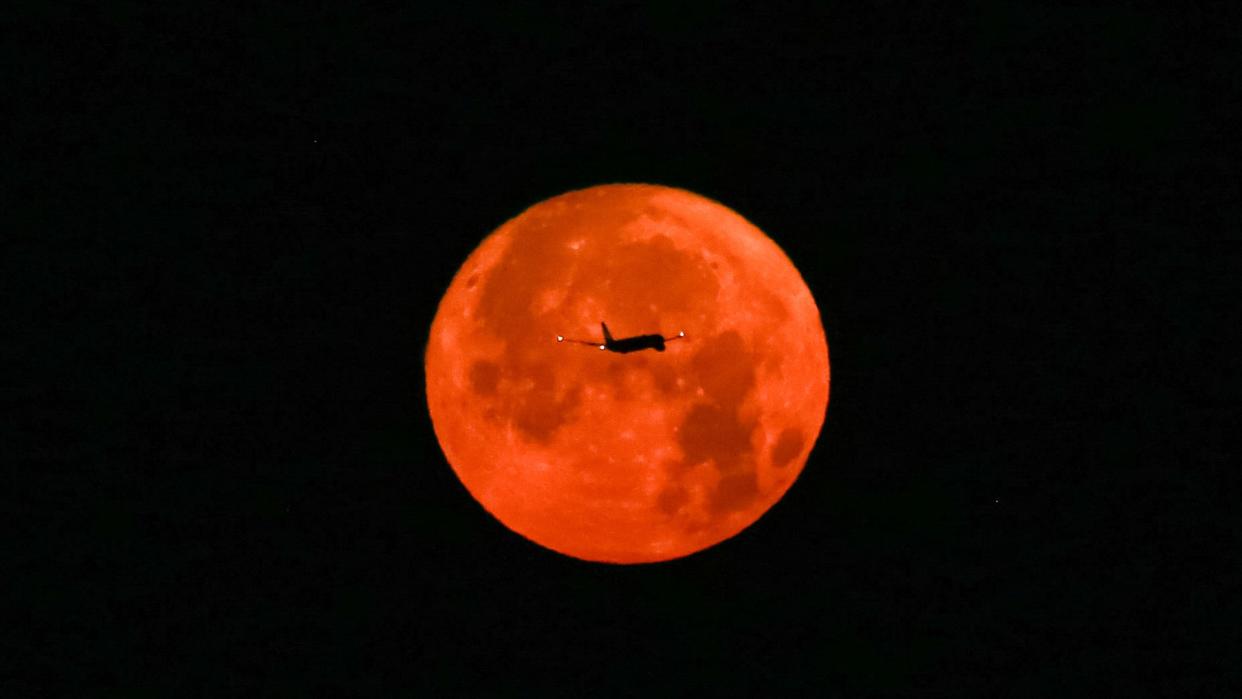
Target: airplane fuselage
[{"x": 636, "y": 343}]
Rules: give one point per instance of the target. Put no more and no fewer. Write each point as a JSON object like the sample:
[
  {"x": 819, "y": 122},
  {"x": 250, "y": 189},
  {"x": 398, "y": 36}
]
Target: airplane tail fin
[{"x": 607, "y": 335}]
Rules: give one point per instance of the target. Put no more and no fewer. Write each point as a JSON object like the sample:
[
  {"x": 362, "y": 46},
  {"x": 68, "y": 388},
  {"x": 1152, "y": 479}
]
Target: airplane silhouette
[{"x": 627, "y": 344}]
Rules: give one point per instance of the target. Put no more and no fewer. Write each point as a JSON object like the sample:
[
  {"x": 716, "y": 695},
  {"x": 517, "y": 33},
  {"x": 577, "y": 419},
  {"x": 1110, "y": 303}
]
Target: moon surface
[{"x": 640, "y": 457}]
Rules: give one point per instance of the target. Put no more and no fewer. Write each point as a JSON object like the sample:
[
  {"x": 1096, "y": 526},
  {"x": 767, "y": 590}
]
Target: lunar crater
[{"x": 788, "y": 445}]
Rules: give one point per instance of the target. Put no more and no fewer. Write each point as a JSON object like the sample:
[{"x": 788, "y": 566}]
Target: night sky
[{"x": 226, "y": 234}]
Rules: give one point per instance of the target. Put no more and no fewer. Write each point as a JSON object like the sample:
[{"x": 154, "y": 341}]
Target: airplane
[{"x": 627, "y": 344}]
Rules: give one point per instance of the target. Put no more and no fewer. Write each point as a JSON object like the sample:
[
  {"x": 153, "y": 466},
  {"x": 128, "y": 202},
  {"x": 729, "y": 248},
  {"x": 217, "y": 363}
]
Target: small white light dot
[
  {"x": 601, "y": 347},
  {"x": 560, "y": 338}
]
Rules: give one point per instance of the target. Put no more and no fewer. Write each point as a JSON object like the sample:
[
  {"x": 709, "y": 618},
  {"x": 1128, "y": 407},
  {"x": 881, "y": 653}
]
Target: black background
[{"x": 231, "y": 229}]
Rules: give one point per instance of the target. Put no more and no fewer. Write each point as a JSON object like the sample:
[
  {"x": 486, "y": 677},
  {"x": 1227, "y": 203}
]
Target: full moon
[{"x": 640, "y": 456}]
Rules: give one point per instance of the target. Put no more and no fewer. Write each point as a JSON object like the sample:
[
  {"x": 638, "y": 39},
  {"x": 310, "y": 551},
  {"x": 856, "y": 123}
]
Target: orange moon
[{"x": 638, "y": 457}]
